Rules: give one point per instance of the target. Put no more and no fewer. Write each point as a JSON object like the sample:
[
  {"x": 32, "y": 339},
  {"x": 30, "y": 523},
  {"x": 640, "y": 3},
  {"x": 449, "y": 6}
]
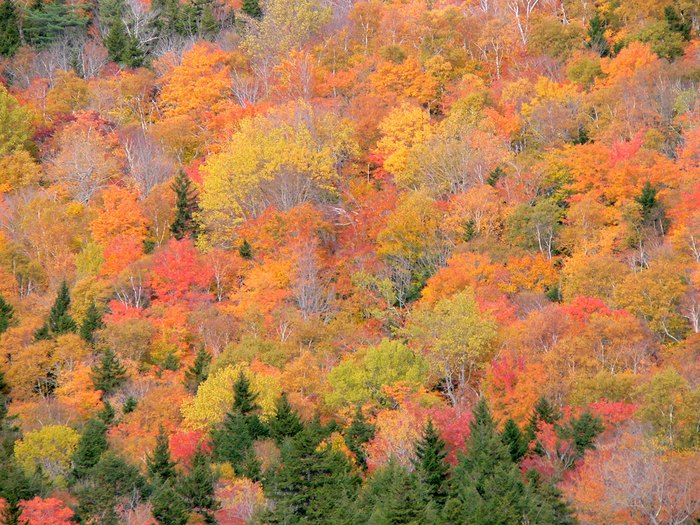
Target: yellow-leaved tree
[
  {"x": 215, "y": 396},
  {"x": 283, "y": 159}
]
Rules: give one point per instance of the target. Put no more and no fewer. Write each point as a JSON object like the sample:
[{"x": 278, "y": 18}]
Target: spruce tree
[
  {"x": 515, "y": 440},
  {"x": 244, "y": 399},
  {"x": 169, "y": 508},
  {"x": 7, "y": 313},
  {"x": 233, "y": 441},
  {"x": 59, "y": 320},
  {"x": 129, "y": 405},
  {"x": 286, "y": 422},
  {"x": 92, "y": 444},
  {"x": 91, "y": 323},
  {"x": 357, "y": 435},
  {"x": 9, "y": 29},
  {"x": 159, "y": 464},
  {"x": 596, "y": 35},
  {"x": 430, "y": 464},
  {"x": 677, "y": 22},
  {"x": 652, "y": 211},
  {"x": 583, "y": 431},
  {"x": 543, "y": 411},
  {"x": 197, "y": 487},
  {"x": 109, "y": 374},
  {"x": 133, "y": 56},
  {"x": 486, "y": 484},
  {"x": 406, "y": 501},
  {"x": 116, "y": 41},
  {"x": 245, "y": 250},
  {"x": 107, "y": 414},
  {"x": 185, "y": 207},
  {"x": 252, "y": 8},
  {"x": 312, "y": 484},
  {"x": 199, "y": 371}
]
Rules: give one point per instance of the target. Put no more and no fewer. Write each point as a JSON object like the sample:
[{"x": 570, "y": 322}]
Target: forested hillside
[{"x": 347, "y": 262}]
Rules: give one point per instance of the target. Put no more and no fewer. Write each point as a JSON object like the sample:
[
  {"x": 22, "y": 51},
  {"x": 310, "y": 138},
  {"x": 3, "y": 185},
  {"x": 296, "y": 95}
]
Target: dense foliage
[{"x": 350, "y": 262}]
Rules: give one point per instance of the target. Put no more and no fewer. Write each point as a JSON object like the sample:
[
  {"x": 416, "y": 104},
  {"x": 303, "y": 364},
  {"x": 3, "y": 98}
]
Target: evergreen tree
[
  {"x": 169, "y": 508},
  {"x": 357, "y": 435},
  {"x": 9, "y": 29},
  {"x": 677, "y": 22},
  {"x": 171, "y": 362},
  {"x": 583, "y": 431},
  {"x": 430, "y": 463},
  {"x": 109, "y": 481},
  {"x": 129, "y": 405},
  {"x": 596, "y": 35},
  {"x": 546, "y": 502},
  {"x": 15, "y": 486},
  {"x": 109, "y": 374},
  {"x": 199, "y": 371},
  {"x": 133, "y": 56},
  {"x": 652, "y": 211},
  {"x": 59, "y": 321},
  {"x": 92, "y": 444},
  {"x": 91, "y": 323},
  {"x": 197, "y": 487},
  {"x": 116, "y": 41},
  {"x": 244, "y": 399},
  {"x": 286, "y": 422},
  {"x": 209, "y": 26},
  {"x": 159, "y": 464},
  {"x": 233, "y": 441},
  {"x": 312, "y": 484},
  {"x": 406, "y": 502},
  {"x": 252, "y": 8},
  {"x": 45, "y": 23},
  {"x": 7, "y": 313},
  {"x": 487, "y": 488},
  {"x": 514, "y": 439},
  {"x": 107, "y": 414},
  {"x": 245, "y": 250},
  {"x": 543, "y": 411},
  {"x": 185, "y": 207}
]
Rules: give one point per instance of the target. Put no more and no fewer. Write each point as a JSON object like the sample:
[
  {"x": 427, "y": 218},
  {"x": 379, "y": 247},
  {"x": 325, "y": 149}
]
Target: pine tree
[
  {"x": 92, "y": 444},
  {"x": 514, "y": 439},
  {"x": 252, "y": 8},
  {"x": 185, "y": 207},
  {"x": 547, "y": 505},
  {"x": 209, "y": 25},
  {"x": 91, "y": 323},
  {"x": 109, "y": 374},
  {"x": 357, "y": 435},
  {"x": 197, "y": 487},
  {"x": 171, "y": 362},
  {"x": 245, "y": 250},
  {"x": 169, "y": 508},
  {"x": 430, "y": 463},
  {"x": 7, "y": 313},
  {"x": 159, "y": 464},
  {"x": 199, "y": 371},
  {"x": 9, "y": 29},
  {"x": 286, "y": 422}
]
